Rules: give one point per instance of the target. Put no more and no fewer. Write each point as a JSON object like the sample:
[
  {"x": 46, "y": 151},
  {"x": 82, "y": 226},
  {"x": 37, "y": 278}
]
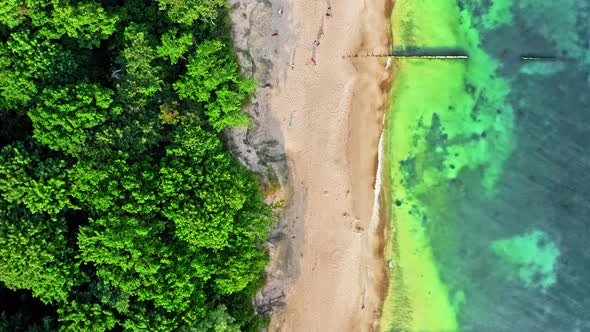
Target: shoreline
[
  {"x": 327, "y": 269},
  {"x": 369, "y": 106},
  {"x": 329, "y": 263},
  {"x": 341, "y": 270}
]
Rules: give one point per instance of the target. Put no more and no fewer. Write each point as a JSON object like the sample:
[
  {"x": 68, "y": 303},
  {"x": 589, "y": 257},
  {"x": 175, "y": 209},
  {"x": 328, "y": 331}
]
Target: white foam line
[{"x": 376, "y": 206}]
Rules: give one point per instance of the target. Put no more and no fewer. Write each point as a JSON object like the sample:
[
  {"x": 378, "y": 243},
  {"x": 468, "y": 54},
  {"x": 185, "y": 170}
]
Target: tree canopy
[
  {"x": 64, "y": 115},
  {"x": 212, "y": 78},
  {"x": 186, "y": 12},
  {"x": 121, "y": 208}
]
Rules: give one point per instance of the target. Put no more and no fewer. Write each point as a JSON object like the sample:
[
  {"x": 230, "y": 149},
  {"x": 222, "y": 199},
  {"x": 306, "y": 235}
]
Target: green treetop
[
  {"x": 141, "y": 78},
  {"x": 213, "y": 78},
  {"x": 65, "y": 115},
  {"x": 188, "y": 11}
]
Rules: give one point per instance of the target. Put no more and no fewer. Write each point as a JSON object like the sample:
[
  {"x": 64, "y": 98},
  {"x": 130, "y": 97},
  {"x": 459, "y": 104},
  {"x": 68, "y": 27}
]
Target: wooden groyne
[{"x": 414, "y": 56}]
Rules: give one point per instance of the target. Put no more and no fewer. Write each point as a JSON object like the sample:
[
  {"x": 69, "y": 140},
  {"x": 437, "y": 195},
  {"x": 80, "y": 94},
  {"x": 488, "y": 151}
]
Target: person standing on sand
[
  {"x": 293, "y": 59},
  {"x": 315, "y": 44}
]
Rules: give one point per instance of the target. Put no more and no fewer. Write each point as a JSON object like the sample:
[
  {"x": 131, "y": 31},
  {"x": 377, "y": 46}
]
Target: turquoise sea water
[{"x": 489, "y": 168}]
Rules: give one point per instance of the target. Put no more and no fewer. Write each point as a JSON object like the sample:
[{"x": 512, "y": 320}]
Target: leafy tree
[
  {"x": 217, "y": 320},
  {"x": 116, "y": 184},
  {"x": 17, "y": 89},
  {"x": 64, "y": 116},
  {"x": 12, "y": 13},
  {"x": 188, "y": 11},
  {"x": 132, "y": 134},
  {"x": 141, "y": 79},
  {"x": 240, "y": 263},
  {"x": 215, "y": 204},
  {"x": 26, "y": 61},
  {"x": 201, "y": 187},
  {"x": 130, "y": 254},
  {"x": 213, "y": 78},
  {"x": 33, "y": 250},
  {"x": 174, "y": 47},
  {"x": 40, "y": 185},
  {"x": 90, "y": 317},
  {"x": 133, "y": 256},
  {"x": 87, "y": 22},
  {"x": 112, "y": 297},
  {"x": 34, "y": 254},
  {"x": 146, "y": 318}
]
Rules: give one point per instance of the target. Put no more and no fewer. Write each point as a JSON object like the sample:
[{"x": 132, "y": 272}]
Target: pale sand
[{"x": 336, "y": 112}]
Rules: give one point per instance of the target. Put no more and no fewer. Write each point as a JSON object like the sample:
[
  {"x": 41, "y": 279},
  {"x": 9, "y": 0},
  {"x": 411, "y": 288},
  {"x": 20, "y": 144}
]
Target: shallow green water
[{"x": 473, "y": 158}]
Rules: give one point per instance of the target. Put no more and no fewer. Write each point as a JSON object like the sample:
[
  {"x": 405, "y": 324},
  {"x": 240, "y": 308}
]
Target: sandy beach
[{"x": 328, "y": 266}]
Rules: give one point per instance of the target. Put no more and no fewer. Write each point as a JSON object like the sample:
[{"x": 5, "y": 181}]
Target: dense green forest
[{"x": 120, "y": 207}]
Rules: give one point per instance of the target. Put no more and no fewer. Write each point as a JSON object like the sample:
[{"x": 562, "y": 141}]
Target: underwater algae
[
  {"x": 530, "y": 257},
  {"x": 499, "y": 13},
  {"x": 446, "y": 117}
]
